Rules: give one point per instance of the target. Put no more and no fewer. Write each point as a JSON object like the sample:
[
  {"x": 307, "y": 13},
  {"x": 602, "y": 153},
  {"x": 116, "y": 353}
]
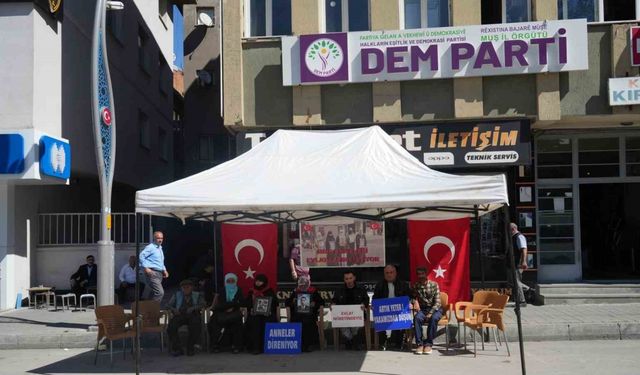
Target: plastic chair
[
  {"x": 366, "y": 329},
  {"x": 465, "y": 310},
  {"x": 88, "y": 296},
  {"x": 151, "y": 319},
  {"x": 112, "y": 325},
  {"x": 490, "y": 318},
  {"x": 446, "y": 316}
]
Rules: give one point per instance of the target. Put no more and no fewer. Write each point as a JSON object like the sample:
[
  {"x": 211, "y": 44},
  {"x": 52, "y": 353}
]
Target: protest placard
[
  {"x": 347, "y": 316},
  {"x": 283, "y": 338},
  {"x": 391, "y": 314}
]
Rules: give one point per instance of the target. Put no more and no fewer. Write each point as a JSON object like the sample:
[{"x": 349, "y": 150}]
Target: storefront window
[
  {"x": 269, "y": 17},
  {"x": 346, "y": 15},
  {"x": 426, "y": 13},
  {"x": 575, "y": 9},
  {"x": 556, "y": 230},
  {"x": 599, "y": 157},
  {"x": 633, "y": 156},
  {"x": 554, "y": 158},
  {"x": 619, "y": 10}
]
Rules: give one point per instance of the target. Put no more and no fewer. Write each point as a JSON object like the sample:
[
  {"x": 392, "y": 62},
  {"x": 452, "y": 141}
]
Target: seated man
[
  {"x": 185, "y": 306},
  {"x": 391, "y": 287},
  {"x": 352, "y": 294},
  {"x": 427, "y": 294},
  {"x": 127, "y": 277},
  {"x": 86, "y": 277}
]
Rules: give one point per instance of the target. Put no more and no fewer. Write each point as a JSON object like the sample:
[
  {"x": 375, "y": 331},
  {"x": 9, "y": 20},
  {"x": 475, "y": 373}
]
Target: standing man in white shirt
[
  {"x": 127, "y": 279},
  {"x": 519, "y": 243},
  {"x": 152, "y": 263}
]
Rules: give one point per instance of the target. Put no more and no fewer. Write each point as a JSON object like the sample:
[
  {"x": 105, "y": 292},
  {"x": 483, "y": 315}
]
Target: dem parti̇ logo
[{"x": 324, "y": 57}]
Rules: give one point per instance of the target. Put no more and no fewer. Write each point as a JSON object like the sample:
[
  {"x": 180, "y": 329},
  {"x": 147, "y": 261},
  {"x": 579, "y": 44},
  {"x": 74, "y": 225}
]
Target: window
[
  {"x": 145, "y": 132},
  {"x": 346, "y": 15},
  {"x": 268, "y": 17},
  {"x": 555, "y": 217},
  {"x": 212, "y": 148},
  {"x": 144, "y": 56},
  {"x": 205, "y": 16},
  {"x": 633, "y": 156},
  {"x": 505, "y": 11},
  {"x": 424, "y": 13},
  {"x": 599, "y": 10},
  {"x": 163, "y": 80},
  {"x": 114, "y": 24},
  {"x": 163, "y": 144},
  {"x": 554, "y": 157},
  {"x": 599, "y": 157}
]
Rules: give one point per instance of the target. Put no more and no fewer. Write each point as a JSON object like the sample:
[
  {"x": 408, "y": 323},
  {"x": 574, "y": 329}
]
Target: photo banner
[
  {"x": 442, "y": 52},
  {"x": 391, "y": 314},
  {"x": 283, "y": 338},
  {"x": 347, "y": 316},
  {"x": 341, "y": 243}
]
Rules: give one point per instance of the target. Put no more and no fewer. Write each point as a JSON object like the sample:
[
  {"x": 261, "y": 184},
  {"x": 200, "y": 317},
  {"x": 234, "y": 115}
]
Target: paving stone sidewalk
[{"x": 43, "y": 329}]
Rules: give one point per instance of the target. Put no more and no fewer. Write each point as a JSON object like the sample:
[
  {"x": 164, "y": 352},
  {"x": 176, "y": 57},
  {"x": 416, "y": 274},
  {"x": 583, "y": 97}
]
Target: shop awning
[{"x": 308, "y": 175}]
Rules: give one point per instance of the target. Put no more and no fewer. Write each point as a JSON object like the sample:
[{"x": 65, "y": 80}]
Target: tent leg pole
[
  {"x": 138, "y": 227},
  {"x": 514, "y": 277},
  {"x": 479, "y": 241},
  {"x": 215, "y": 253}
]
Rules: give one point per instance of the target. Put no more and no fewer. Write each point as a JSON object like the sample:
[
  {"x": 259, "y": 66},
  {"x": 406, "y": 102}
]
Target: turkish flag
[
  {"x": 443, "y": 248},
  {"x": 249, "y": 250}
]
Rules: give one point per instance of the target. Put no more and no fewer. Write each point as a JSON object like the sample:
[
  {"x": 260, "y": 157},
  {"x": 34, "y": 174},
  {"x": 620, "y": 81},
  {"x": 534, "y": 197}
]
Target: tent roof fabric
[{"x": 306, "y": 175}]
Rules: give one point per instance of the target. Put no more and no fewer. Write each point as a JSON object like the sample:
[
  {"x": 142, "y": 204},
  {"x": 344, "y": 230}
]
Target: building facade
[
  {"x": 49, "y": 221},
  {"x": 573, "y": 162}
]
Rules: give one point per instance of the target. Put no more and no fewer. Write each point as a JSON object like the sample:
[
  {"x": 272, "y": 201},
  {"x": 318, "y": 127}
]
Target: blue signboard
[
  {"x": 11, "y": 153},
  {"x": 283, "y": 338},
  {"x": 55, "y": 157},
  {"x": 392, "y": 314}
]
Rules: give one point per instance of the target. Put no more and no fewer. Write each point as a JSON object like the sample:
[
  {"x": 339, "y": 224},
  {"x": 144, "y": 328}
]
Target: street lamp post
[{"x": 104, "y": 131}]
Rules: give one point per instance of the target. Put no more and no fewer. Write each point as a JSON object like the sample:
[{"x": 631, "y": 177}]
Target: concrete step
[
  {"x": 545, "y": 289},
  {"x": 589, "y": 298}
]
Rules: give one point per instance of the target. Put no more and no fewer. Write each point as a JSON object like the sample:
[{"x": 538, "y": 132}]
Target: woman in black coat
[
  {"x": 227, "y": 315},
  {"x": 305, "y": 303},
  {"x": 260, "y": 312}
]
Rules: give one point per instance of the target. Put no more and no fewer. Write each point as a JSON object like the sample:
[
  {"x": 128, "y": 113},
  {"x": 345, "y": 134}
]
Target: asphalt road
[{"x": 559, "y": 357}]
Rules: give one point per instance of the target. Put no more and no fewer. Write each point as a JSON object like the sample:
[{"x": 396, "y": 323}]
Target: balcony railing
[{"x": 77, "y": 229}]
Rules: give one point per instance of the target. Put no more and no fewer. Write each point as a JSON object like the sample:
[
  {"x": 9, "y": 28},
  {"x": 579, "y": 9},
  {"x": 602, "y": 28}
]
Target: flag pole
[
  {"x": 215, "y": 253},
  {"x": 514, "y": 277},
  {"x": 479, "y": 239},
  {"x": 138, "y": 227}
]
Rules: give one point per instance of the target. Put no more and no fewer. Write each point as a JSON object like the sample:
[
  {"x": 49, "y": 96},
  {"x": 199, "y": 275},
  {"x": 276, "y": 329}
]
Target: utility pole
[{"x": 104, "y": 131}]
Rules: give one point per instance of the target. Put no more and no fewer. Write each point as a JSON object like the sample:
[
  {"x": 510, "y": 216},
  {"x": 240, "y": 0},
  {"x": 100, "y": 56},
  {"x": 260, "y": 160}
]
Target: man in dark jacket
[
  {"x": 186, "y": 306},
  {"x": 391, "y": 287},
  {"x": 352, "y": 294},
  {"x": 85, "y": 277}
]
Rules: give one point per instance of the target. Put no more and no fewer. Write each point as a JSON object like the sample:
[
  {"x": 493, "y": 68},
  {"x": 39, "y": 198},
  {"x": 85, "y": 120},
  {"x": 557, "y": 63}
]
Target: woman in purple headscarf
[{"x": 305, "y": 303}]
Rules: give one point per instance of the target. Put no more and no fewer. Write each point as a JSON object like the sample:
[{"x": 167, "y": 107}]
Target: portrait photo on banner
[{"x": 342, "y": 242}]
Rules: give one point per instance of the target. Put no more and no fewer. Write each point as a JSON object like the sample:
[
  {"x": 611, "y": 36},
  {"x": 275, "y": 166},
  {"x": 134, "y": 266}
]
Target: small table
[{"x": 35, "y": 290}]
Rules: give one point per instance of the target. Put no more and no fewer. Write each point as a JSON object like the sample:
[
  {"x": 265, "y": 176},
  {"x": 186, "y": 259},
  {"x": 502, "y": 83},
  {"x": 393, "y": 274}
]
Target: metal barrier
[{"x": 69, "y": 229}]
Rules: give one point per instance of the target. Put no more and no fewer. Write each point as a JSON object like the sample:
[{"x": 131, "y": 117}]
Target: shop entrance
[{"x": 610, "y": 231}]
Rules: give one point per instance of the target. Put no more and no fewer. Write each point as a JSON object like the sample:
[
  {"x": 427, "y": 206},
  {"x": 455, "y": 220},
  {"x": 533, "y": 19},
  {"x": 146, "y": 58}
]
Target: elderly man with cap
[{"x": 185, "y": 306}]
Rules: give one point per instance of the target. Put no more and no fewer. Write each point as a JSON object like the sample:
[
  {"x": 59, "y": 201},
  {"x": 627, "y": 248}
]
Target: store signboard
[
  {"x": 624, "y": 91},
  {"x": 450, "y": 145},
  {"x": 460, "y": 51},
  {"x": 634, "y": 45}
]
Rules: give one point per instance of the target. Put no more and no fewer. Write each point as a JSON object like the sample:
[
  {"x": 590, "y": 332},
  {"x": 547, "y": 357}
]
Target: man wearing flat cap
[{"x": 185, "y": 307}]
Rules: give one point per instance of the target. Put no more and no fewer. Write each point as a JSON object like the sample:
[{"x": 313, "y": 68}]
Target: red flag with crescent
[
  {"x": 443, "y": 248},
  {"x": 249, "y": 250}
]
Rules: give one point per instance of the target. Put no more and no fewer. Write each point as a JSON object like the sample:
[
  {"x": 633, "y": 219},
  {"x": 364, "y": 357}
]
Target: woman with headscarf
[
  {"x": 305, "y": 303},
  {"x": 261, "y": 305},
  {"x": 227, "y": 315}
]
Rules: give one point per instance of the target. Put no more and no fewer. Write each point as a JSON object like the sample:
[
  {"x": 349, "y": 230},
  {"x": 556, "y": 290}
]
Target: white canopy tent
[{"x": 307, "y": 175}]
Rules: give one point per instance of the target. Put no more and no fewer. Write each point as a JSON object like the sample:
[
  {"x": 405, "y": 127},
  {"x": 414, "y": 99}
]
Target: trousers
[{"x": 432, "y": 327}]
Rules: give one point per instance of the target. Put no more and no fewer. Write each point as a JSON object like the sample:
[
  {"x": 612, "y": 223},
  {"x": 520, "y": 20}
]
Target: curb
[{"x": 540, "y": 332}]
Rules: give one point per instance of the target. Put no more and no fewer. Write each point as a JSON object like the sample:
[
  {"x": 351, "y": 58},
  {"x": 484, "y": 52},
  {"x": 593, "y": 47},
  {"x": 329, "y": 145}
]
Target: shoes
[
  {"x": 177, "y": 353},
  {"x": 523, "y": 304},
  {"x": 235, "y": 350},
  {"x": 255, "y": 352},
  {"x": 307, "y": 349},
  {"x": 215, "y": 349},
  {"x": 191, "y": 352},
  {"x": 383, "y": 348},
  {"x": 419, "y": 350},
  {"x": 427, "y": 350}
]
